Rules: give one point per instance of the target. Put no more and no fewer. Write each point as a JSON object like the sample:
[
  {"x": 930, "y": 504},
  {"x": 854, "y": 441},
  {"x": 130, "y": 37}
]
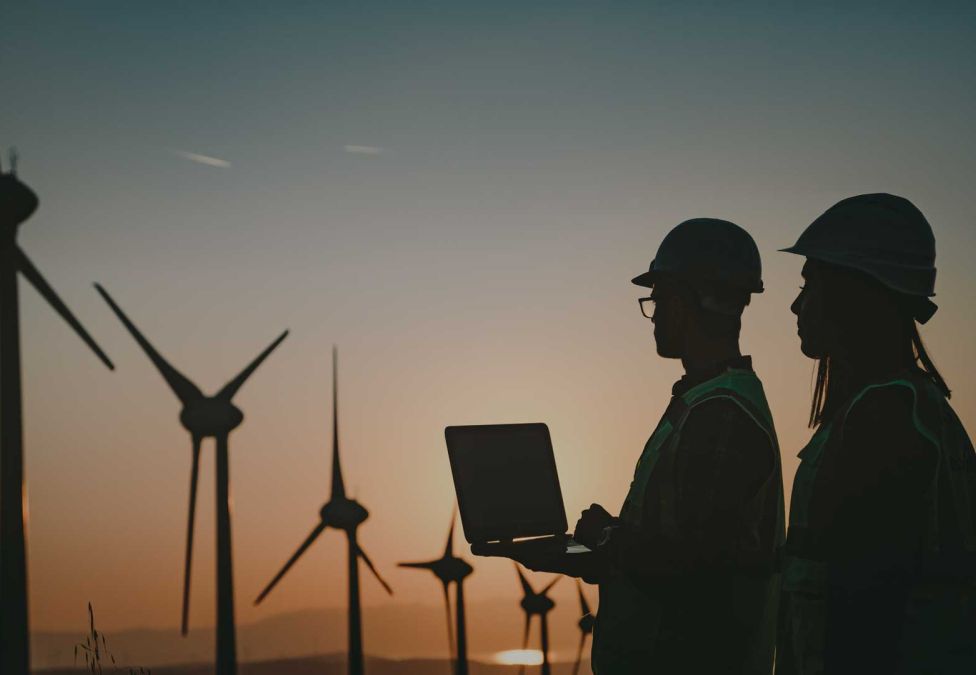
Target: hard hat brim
[{"x": 647, "y": 279}]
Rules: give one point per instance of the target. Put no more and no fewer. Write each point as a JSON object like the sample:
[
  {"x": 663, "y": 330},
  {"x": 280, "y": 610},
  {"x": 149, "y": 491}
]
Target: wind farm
[
  {"x": 215, "y": 417},
  {"x": 459, "y": 197}
]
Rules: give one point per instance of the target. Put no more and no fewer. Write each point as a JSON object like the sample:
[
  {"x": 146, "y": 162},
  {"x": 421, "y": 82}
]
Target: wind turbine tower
[
  {"x": 206, "y": 417},
  {"x": 451, "y": 569},
  {"x": 586, "y": 622},
  {"x": 345, "y": 514},
  {"x": 537, "y": 604},
  {"x": 17, "y": 203}
]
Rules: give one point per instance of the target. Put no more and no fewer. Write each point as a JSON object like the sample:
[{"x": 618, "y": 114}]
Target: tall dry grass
[{"x": 95, "y": 650}]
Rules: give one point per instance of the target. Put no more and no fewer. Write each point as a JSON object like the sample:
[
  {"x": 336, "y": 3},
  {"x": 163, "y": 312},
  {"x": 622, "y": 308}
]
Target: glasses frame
[{"x": 650, "y": 300}]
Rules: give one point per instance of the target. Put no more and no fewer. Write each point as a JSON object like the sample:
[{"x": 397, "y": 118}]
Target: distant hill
[
  {"x": 403, "y": 634},
  {"x": 336, "y": 665}
]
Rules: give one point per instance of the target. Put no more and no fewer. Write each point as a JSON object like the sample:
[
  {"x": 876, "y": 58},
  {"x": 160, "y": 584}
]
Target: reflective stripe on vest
[
  {"x": 629, "y": 619},
  {"x": 937, "y": 617}
]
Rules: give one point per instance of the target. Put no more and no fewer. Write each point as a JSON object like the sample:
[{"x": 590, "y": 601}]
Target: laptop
[{"x": 507, "y": 489}]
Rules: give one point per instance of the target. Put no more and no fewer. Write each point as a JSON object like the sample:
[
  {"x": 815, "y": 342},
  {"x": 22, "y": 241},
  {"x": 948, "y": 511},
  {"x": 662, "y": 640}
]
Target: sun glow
[{"x": 519, "y": 657}]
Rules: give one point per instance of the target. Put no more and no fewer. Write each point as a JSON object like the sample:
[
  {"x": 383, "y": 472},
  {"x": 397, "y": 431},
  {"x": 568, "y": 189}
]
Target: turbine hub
[
  {"x": 453, "y": 569},
  {"x": 537, "y": 604},
  {"x": 211, "y": 417},
  {"x": 17, "y": 203},
  {"x": 344, "y": 514}
]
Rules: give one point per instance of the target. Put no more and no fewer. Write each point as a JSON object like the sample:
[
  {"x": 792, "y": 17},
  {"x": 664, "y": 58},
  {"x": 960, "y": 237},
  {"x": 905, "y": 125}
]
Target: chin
[
  {"x": 667, "y": 353},
  {"x": 811, "y": 350}
]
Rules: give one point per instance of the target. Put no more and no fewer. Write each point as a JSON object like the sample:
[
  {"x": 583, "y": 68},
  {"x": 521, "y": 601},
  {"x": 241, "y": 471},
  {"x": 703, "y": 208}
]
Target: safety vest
[
  {"x": 632, "y": 616},
  {"x": 939, "y": 629}
]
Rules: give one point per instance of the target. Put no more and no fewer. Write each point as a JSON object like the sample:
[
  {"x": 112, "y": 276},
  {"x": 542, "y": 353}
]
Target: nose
[{"x": 797, "y": 303}]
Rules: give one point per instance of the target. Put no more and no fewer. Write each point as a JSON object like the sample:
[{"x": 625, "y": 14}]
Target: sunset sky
[{"x": 457, "y": 196}]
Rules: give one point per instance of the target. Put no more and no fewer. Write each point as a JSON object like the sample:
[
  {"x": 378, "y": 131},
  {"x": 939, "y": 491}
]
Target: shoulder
[
  {"x": 881, "y": 422},
  {"x": 724, "y": 418},
  {"x": 721, "y": 441},
  {"x": 727, "y": 411},
  {"x": 886, "y": 406}
]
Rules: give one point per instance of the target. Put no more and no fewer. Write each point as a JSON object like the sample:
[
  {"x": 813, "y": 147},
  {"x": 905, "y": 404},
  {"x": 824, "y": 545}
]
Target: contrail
[
  {"x": 362, "y": 149},
  {"x": 202, "y": 159}
]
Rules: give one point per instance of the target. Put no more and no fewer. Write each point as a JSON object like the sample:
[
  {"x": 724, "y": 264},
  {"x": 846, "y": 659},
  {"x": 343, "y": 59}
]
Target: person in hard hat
[
  {"x": 686, "y": 571},
  {"x": 879, "y": 568}
]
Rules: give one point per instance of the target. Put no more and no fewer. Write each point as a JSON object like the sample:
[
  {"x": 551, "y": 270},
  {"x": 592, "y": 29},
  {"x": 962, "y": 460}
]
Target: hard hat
[
  {"x": 708, "y": 250},
  {"x": 881, "y": 235}
]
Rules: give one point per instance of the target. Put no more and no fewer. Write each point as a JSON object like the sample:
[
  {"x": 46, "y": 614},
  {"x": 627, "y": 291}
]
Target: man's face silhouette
[{"x": 669, "y": 318}]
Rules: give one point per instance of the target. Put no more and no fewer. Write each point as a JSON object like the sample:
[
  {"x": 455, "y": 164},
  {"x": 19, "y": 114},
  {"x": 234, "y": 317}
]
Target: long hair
[
  {"x": 825, "y": 399},
  {"x": 819, "y": 392},
  {"x": 925, "y": 364}
]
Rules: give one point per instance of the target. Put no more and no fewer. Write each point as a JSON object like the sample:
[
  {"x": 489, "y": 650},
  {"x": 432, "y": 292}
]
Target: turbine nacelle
[
  {"x": 18, "y": 203},
  {"x": 451, "y": 569},
  {"x": 448, "y": 569},
  {"x": 211, "y": 417},
  {"x": 344, "y": 514}
]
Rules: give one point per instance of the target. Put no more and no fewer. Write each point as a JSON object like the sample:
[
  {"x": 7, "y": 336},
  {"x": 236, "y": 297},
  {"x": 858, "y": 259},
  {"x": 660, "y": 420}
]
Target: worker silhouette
[
  {"x": 879, "y": 569},
  {"x": 687, "y": 571}
]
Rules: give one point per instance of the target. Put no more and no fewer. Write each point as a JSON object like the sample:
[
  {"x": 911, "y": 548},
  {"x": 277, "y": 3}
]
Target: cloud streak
[
  {"x": 206, "y": 160},
  {"x": 362, "y": 149}
]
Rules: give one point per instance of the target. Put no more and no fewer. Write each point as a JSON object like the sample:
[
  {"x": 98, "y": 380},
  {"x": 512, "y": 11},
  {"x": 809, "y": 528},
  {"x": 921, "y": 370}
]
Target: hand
[{"x": 589, "y": 528}]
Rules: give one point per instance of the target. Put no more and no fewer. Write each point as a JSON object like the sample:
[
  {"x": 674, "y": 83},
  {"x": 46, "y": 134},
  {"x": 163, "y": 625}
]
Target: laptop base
[{"x": 559, "y": 544}]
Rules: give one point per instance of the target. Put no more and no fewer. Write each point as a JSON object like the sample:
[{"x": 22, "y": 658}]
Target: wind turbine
[
  {"x": 17, "y": 203},
  {"x": 206, "y": 417},
  {"x": 585, "y": 625},
  {"x": 536, "y": 604},
  {"x": 341, "y": 513},
  {"x": 451, "y": 569}
]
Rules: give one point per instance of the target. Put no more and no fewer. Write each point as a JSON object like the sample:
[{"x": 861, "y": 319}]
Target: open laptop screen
[{"x": 506, "y": 482}]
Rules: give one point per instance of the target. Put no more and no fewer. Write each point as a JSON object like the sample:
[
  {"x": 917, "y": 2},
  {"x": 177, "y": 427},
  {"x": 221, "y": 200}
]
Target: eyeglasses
[{"x": 647, "y": 306}]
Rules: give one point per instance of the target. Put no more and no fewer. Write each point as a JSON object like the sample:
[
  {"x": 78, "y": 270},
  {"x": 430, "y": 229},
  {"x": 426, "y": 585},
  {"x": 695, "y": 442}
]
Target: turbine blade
[
  {"x": 194, "y": 472},
  {"x": 418, "y": 565},
  {"x": 291, "y": 561},
  {"x": 338, "y": 486},
  {"x": 526, "y": 588},
  {"x": 369, "y": 564},
  {"x": 450, "y": 623},
  {"x": 33, "y": 275},
  {"x": 449, "y": 549},
  {"x": 579, "y": 654},
  {"x": 227, "y": 393},
  {"x": 185, "y": 390},
  {"x": 584, "y": 606},
  {"x": 550, "y": 585}
]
